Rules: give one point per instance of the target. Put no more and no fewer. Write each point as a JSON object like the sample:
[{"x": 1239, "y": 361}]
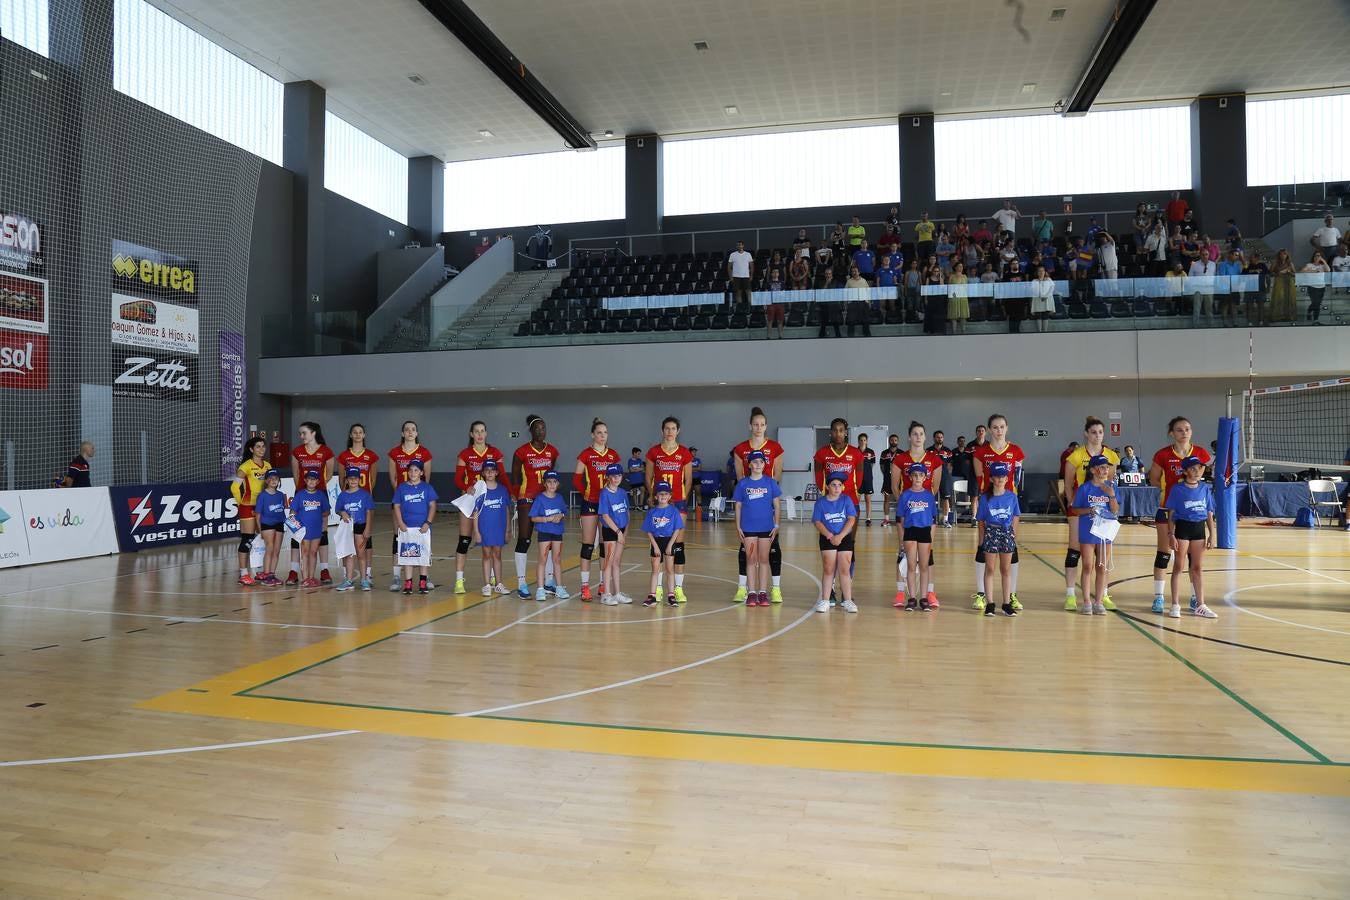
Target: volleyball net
[{"x": 1299, "y": 426}]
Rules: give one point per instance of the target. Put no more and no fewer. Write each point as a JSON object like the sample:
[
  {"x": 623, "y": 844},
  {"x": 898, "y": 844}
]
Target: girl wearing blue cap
[
  {"x": 548, "y": 512},
  {"x": 311, "y": 511},
  {"x": 665, "y": 528},
  {"x": 917, "y": 508},
  {"x": 271, "y": 508},
  {"x": 835, "y": 515},
  {"x": 997, "y": 517},
  {"x": 1096, "y": 498},
  {"x": 613, "y": 523},
  {"x": 355, "y": 505},
  {"x": 1191, "y": 532},
  {"x": 491, "y": 517},
  {"x": 757, "y": 502},
  {"x": 414, "y": 510}
]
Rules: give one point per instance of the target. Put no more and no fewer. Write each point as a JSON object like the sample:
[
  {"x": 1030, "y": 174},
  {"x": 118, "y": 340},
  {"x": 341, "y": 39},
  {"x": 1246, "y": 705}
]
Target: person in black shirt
[
  {"x": 892, "y": 448},
  {"x": 77, "y": 473},
  {"x": 945, "y": 489},
  {"x": 869, "y": 468}
]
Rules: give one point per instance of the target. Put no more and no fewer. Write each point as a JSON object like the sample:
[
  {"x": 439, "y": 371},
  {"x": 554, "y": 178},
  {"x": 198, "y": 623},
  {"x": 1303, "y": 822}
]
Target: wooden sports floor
[{"x": 166, "y": 734}]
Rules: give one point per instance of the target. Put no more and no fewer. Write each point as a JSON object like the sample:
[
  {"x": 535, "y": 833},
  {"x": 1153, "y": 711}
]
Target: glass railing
[
  {"x": 1286, "y": 202},
  {"x": 975, "y": 307}
]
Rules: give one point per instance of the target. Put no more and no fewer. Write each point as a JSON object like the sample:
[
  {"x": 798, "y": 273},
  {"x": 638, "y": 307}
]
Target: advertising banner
[
  {"x": 20, "y": 243},
  {"x": 58, "y": 524},
  {"x": 23, "y": 303},
  {"x": 159, "y": 515},
  {"x": 13, "y": 535},
  {"x": 233, "y": 401},
  {"x": 153, "y": 324},
  {"x": 144, "y": 270},
  {"x": 23, "y": 360},
  {"x": 148, "y": 375}
]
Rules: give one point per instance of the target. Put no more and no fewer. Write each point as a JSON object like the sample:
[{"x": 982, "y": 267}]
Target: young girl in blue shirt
[
  {"x": 613, "y": 524},
  {"x": 414, "y": 510},
  {"x": 757, "y": 499},
  {"x": 917, "y": 507},
  {"x": 271, "y": 509},
  {"x": 1191, "y": 533},
  {"x": 665, "y": 528},
  {"x": 834, "y": 518},
  {"x": 311, "y": 511},
  {"x": 997, "y": 517},
  {"x": 1093, "y": 499},
  {"x": 549, "y": 515},
  {"x": 355, "y": 505},
  {"x": 491, "y": 515}
]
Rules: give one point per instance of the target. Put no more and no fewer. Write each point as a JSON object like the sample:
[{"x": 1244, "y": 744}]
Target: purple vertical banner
[{"x": 233, "y": 402}]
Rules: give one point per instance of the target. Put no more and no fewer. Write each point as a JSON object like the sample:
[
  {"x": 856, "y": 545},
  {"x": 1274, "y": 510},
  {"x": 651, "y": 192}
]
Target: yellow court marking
[{"x": 221, "y": 697}]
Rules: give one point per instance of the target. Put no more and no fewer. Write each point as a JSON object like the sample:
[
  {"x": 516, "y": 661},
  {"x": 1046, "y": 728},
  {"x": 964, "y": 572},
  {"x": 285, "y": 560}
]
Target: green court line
[
  {"x": 804, "y": 739},
  {"x": 1223, "y": 688}
]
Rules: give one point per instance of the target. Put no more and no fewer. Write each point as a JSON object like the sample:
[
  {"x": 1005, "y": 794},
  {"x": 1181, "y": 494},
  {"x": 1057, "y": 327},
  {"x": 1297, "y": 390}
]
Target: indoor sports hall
[{"x": 701, "y": 450}]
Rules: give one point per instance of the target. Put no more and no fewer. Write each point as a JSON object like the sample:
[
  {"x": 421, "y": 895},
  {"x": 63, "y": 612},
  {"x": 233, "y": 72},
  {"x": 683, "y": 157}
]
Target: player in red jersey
[
  {"x": 898, "y": 478},
  {"x": 773, "y": 467},
  {"x": 358, "y": 456},
  {"x": 410, "y": 448},
  {"x": 469, "y": 471},
  {"x": 996, "y": 449},
  {"x": 1165, "y": 472},
  {"x": 672, "y": 463},
  {"x": 311, "y": 454},
  {"x": 528, "y": 465},
  {"x": 588, "y": 478}
]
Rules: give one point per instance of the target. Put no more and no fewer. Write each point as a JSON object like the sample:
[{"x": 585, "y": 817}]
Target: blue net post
[{"x": 1225, "y": 483}]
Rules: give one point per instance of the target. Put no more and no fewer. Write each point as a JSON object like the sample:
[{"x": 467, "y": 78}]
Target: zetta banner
[
  {"x": 157, "y": 515},
  {"x": 233, "y": 401},
  {"x": 150, "y": 375},
  {"x": 50, "y": 525}
]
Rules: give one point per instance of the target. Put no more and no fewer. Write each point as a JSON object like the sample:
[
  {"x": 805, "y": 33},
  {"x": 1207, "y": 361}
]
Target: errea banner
[
  {"x": 157, "y": 515},
  {"x": 144, "y": 270},
  {"x": 154, "y": 324}
]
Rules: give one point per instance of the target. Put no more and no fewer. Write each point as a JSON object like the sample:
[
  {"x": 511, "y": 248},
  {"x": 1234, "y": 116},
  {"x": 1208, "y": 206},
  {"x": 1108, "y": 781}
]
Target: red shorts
[
  {"x": 246, "y": 512},
  {"x": 774, "y": 313}
]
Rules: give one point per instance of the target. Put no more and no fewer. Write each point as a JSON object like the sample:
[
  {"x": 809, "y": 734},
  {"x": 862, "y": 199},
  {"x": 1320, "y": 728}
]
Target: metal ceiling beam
[
  {"x": 1126, "y": 21},
  {"x": 456, "y": 16}
]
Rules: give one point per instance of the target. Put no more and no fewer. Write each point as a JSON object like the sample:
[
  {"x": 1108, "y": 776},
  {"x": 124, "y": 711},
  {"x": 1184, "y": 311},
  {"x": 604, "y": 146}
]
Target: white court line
[
  {"x": 1228, "y": 599},
  {"x": 540, "y": 611},
  {"x": 71, "y": 584},
  {"x": 648, "y": 677},
  {"x": 185, "y": 618},
  {"x": 172, "y": 750},
  {"x": 1301, "y": 569}
]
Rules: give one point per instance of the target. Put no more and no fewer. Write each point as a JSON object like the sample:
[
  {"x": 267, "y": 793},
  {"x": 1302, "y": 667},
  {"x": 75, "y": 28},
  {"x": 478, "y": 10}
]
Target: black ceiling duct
[
  {"x": 1128, "y": 18},
  {"x": 456, "y": 16}
]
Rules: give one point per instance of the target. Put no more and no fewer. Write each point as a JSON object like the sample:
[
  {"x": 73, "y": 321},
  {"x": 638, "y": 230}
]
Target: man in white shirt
[
  {"x": 1202, "y": 300},
  {"x": 1106, "y": 253},
  {"x": 740, "y": 269},
  {"x": 1326, "y": 238},
  {"x": 1007, "y": 216}
]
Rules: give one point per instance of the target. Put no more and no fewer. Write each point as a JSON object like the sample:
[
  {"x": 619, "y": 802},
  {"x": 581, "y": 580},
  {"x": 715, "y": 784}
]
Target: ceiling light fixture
[
  {"x": 609, "y": 133},
  {"x": 1029, "y": 87},
  {"x": 1057, "y": 14},
  {"x": 731, "y": 110},
  {"x": 701, "y": 46},
  {"x": 483, "y": 132},
  {"x": 417, "y": 79}
]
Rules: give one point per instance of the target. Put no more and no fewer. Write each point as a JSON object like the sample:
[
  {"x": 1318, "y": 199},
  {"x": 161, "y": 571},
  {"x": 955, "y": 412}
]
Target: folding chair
[{"x": 1326, "y": 487}]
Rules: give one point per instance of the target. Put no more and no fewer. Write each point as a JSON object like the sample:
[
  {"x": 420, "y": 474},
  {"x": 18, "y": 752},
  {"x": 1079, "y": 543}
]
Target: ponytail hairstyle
[
  {"x": 417, "y": 440},
  {"x": 989, "y": 423},
  {"x": 913, "y": 424},
  {"x": 1173, "y": 424},
  {"x": 668, "y": 419},
  {"x": 318, "y": 432},
  {"x": 349, "y": 432},
  {"x": 596, "y": 423},
  {"x": 756, "y": 411},
  {"x": 474, "y": 424},
  {"x": 530, "y": 420},
  {"x": 838, "y": 420}
]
